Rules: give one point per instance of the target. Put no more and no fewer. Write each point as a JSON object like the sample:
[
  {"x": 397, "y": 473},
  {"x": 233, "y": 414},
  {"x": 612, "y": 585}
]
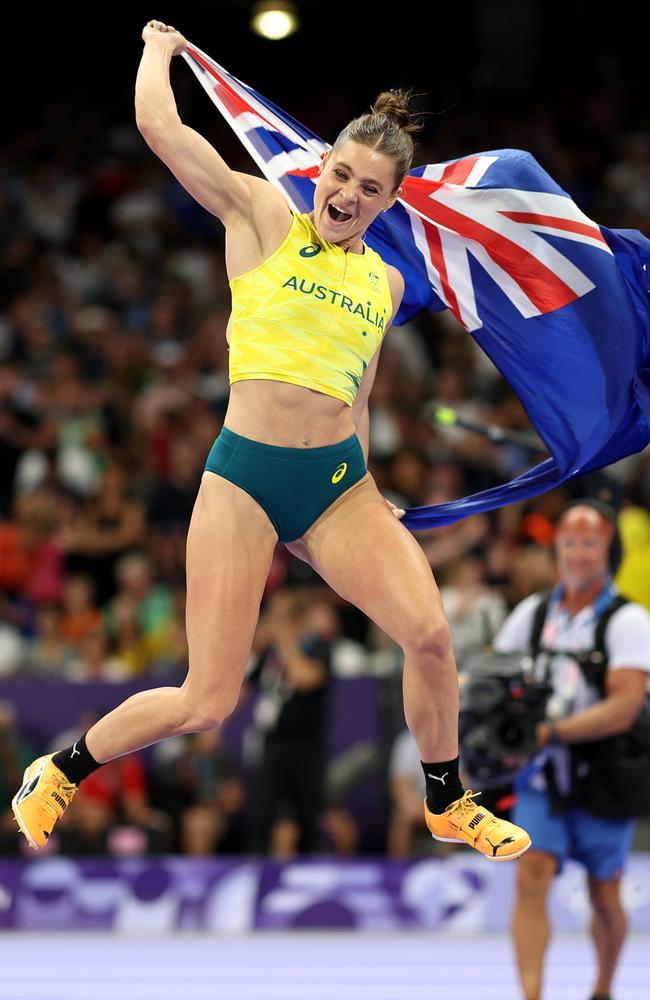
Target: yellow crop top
[{"x": 311, "y": 314}]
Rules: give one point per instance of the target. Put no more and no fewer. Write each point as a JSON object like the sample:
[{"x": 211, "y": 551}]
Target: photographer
[
  {"x": 571, "y": 797},
  {"x": 292, "y": 675}
]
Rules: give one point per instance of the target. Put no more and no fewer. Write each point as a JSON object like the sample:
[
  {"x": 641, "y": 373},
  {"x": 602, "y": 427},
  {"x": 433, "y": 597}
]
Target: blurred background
[{"x": 113, "y": 386}]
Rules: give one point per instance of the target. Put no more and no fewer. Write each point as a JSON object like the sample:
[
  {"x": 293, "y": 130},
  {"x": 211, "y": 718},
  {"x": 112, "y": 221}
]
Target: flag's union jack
[
  {"x": 559, "y": 303},
  {"x": 500, "y": 231}
]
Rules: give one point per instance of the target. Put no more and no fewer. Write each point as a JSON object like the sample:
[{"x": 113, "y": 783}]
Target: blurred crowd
[{"x": 113, "y": 385}]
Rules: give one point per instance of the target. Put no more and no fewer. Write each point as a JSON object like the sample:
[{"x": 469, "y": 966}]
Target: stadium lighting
[{"x": 274, "y": 19}]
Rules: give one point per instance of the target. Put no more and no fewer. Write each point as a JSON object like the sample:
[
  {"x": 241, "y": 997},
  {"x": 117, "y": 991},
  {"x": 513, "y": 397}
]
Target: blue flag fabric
[{"x": 557, "y": 302}]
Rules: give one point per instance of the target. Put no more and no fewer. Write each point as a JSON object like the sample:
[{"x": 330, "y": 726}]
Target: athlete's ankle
[
  {"x": 76, "y": 762},
  {"x": 443, "y": 784}
]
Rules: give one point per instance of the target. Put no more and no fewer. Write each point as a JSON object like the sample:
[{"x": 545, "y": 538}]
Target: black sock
[
  {"x": 443, "y": 784},
  {"x": 76, "y": 761}
]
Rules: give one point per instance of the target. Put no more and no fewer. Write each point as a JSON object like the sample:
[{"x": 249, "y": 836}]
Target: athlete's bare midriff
[{"x": 287, "y": 415}]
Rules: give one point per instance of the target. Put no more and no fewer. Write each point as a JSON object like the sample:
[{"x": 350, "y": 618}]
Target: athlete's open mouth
[{"x": 337, "y": 214}]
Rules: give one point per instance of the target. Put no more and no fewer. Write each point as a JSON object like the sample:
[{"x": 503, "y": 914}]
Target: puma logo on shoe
[
  {"x": 28, "y": 788},
  {"x": 59, "y": 798},
  {"x": 30, "y": 785},
  {"x": 436, "y": 778},
  {"x": 475, "y": 822},
  {"x": 502, "y": 843}
]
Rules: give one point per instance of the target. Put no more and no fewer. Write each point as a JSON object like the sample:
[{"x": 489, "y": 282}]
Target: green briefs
[{"x": 293, "y": 485}]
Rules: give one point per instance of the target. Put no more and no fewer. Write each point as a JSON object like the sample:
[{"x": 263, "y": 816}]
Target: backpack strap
[
  {"x": 538, "y": 624},
  {"x": 594, "y": 663},
  {"x": 603, "y": 622}
]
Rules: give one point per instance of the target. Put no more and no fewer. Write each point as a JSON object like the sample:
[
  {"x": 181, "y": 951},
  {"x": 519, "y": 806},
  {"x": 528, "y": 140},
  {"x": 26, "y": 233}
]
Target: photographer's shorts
[
  {"x": 294, "y": 486},
  {"x": 601, "y": 845}
]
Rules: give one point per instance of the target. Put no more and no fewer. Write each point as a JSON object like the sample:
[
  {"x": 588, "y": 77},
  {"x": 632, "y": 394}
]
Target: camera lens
[
  {"x": 482, "y": 695},
  {"x": 511, "y": 734}
]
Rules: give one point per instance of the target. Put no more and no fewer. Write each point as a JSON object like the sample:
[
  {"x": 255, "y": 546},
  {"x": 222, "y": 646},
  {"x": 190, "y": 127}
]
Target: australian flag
[{"x": 559, "y": 303}]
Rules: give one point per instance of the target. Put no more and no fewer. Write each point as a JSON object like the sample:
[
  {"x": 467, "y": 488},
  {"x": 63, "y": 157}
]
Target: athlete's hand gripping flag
[{"x": 558, "y": 303}]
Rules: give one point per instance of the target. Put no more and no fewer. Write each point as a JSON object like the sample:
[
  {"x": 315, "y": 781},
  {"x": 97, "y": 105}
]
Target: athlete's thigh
[
  {"x": 230, "y": 546},
  {"x": 367, "y": 556}
]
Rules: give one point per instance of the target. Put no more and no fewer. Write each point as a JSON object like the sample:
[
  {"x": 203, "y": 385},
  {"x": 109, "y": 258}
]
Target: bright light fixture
[{"x": 274, "y": 20}]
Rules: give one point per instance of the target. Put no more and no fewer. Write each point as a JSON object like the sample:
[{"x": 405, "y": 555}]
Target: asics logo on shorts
[
  {"x": 340, "y": 472},
  {"x": 310, "y": 250}
]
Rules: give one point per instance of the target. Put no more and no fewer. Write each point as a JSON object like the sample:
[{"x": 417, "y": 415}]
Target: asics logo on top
[
  {"x": 75, "y": 751},
  {"x": 310, "y": 250},
  {"x": 340, "y": 472},
  {"x": 436, "y": 778}
]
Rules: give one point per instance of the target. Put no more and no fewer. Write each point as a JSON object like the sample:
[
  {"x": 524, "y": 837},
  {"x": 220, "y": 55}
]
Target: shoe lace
[
  {"x": 465, "y": 803},
  {"x": 66, "y": 787}
]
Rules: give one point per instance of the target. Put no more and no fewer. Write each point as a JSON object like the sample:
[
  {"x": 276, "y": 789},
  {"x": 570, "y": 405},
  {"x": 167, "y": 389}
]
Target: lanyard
[{"x": 608, "y": 594}]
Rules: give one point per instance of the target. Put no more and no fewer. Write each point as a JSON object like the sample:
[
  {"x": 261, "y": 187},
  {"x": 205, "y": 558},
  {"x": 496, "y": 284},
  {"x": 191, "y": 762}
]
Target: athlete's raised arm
[{"x": 192, "y": 159}]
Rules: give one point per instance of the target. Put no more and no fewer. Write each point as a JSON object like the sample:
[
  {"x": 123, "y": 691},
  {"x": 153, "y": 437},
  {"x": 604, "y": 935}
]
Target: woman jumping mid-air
[{"x": 311, "y": 303}]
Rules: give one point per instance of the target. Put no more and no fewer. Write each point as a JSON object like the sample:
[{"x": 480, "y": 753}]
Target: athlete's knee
[
  {"x": 430, "y": 640},
  {"x": 201, "y": 713}
]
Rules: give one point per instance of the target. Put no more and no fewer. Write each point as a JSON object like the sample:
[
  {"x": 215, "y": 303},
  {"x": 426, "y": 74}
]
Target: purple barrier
[
  {"x": 48, "y": 707},
  {"x": 460, "y": 894}
]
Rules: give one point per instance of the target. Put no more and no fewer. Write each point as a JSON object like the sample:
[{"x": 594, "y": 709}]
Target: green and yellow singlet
[{"x": 311, "y": 314}]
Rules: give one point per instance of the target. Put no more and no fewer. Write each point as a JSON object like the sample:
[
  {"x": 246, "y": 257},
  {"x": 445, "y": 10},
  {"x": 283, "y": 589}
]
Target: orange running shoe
[
  {"x": 464, "y": 821},
  {"x": 41, "y": 802}
]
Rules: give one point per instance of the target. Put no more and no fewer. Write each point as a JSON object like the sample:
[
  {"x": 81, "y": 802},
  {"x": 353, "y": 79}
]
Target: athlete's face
[
  {"x": 582, "y": 544},
  {"x": 356, "y": 183}
]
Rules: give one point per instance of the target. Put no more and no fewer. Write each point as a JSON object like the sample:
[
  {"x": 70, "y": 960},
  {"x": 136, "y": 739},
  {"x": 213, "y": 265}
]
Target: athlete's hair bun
[{"x": 395, "y": 105}]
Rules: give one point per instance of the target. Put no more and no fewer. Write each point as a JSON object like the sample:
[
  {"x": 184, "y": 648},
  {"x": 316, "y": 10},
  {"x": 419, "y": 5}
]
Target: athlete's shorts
[
  {"x": 601, "y": 845},
  {"x": 293, "y": 485}
]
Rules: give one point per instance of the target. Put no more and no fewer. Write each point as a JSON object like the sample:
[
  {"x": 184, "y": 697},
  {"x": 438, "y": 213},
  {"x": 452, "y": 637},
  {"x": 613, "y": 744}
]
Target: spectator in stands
[
  {"x": 80, "y": 617},
  {"x": 31, "y": 564},
  {"x": 196, "y": 782},
  {"x": 474, "y": 610},
  {"x": 109, "y": 525},
  {"x": 48, "y": 653}
]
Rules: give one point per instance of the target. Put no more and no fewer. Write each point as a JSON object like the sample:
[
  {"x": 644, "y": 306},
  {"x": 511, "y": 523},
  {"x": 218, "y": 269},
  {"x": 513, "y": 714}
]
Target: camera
[{"x": 501, "y": 703}]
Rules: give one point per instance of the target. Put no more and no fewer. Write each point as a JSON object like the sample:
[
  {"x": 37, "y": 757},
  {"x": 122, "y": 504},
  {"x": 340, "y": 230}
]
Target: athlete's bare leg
[
  {"x": 230, "y": 546},
  {"x": 369, "y": 558}
]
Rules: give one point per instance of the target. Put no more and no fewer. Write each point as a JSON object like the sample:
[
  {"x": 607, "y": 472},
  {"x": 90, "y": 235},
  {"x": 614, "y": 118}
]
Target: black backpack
[{"x": 610, "y": 777}]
